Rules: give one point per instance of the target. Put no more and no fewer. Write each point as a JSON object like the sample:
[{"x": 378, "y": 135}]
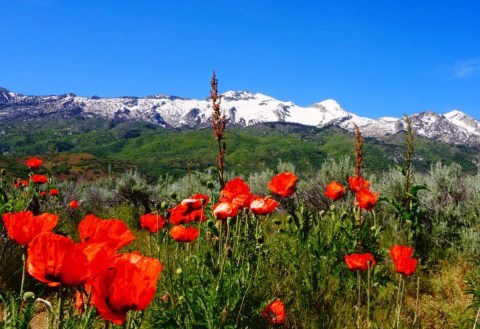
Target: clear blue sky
[{"x": 376, "y": 58}]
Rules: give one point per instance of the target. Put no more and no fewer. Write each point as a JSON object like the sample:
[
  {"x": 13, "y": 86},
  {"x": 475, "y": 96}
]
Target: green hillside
[{"x": 108, "y": 145}]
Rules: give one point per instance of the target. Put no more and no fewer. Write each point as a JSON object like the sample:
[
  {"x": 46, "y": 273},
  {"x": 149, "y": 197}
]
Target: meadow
[{"x": 340, "y": 246}]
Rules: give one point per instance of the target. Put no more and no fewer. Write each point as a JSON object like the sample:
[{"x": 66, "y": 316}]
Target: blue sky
[{"x": 376, "y": 58}]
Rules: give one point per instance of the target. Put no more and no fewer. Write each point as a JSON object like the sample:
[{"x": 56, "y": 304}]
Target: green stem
[
  {"x": 368, "y": 294},
  {"x": 416, "y": 300},
  {"x": 359, "y": 297},
  {"x": 61, "y": 301},
  {"x": 22, "y": 284}
]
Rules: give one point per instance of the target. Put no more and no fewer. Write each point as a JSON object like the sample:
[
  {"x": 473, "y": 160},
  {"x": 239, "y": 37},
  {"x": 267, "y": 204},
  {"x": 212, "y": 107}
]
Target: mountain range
[{"x": 242, "y": 108}]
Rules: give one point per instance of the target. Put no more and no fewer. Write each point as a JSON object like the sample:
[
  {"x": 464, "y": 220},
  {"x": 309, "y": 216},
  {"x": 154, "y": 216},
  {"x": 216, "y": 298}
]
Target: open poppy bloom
[
  {"x": 54, "y": 259},
  {"x": 188, "y": 210},
  {"x": 238, "y": 192},
  {"x": 334, "y": 191},
  {"x": 180, "y": 233},
  {"x": 23, "y": 226},
  {"x": 365, "y": 199},
  {"x": 39, "y": 179},
  {"x": 205, "y": 198},
  {"x": 263, "y": 206},
  {"x": 283, "y": 184},
  {"x": 223, "y": 210},
  {"x": 402, "y": 258},
  {"x": 359, "y": 262},
  {"x": 275, "y": 312},
  {"x": 152, "y": 222},
  {"x": 34, "y": 163},
  {"x": 129, "y": 285},
  {"x": 112, "y": 232},
  {"x": 357, "y": 183}
]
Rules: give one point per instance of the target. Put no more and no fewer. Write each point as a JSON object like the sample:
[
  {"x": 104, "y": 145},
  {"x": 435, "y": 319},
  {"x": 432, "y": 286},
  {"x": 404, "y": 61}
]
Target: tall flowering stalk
[
  {"x": 358, "y": 167},
  {"x": 218, "y": 124},
  {"x": 408, "y": 161}
]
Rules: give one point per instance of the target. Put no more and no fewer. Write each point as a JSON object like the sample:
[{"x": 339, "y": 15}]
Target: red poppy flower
[
  {"x": 263, "y": 206},
  {"x": 23, "y": 226},
  {"x": 129, "y": 285},
  {"x": 334, "y": 191},
  {"x": 181, "y": 234},
  {"x": 188, "y": 210},
  {"x": 54, "y": 192},
  {"x": 238, "y": 192},
  {"x": 366, "y": 199},
  {"x": 112, "y": 232},
  {"x": 275, "y": 312},
  {"x": 283, "y": 184},
  {"x": 358, "y": 183},
  {"x": 34, "y": 163},
  {"x": 205, "y": 198},
  {"x": 73, "y": 204},
  {"x": 19, "y": 183},
  {"x": 402, "y": 258},
  {"x": 359, "y": 262},
  {"x": 54, "y": 259},
  {"x": 152, "y": 222},
  {"x": 43, "y": 194},
  {"x": 39, "y": 179},
  {"x": 223, "y": 210}
]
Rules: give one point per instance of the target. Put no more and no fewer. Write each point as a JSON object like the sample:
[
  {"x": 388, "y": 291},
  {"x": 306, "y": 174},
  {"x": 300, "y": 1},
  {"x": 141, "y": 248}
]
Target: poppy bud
[
  {"x": 164, "y": 205},
  {"x": 28, "y": 295},
  {"x": 173, "y": 195},
  {"x": 210, "y": 184},
  {"x": 179, "y": 271},
  {"x": 289, "y": 219},
  {"x": 333, "y": 207},
  {"x": 3, "y": 172}
]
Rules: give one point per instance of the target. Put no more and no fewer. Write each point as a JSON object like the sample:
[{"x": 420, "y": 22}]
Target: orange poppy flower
[
  {"x": 54, "y": 259},
  {"x": 223, "y": 210},
  {"x": 358, "y": 183},
  {"x": 205, "y": 198},
  {"x": 112, "y": 232},
  {"x": 127, "y": 286},
  {"x": 73, "y": 204},
  {"x": 359, "y": 262},
  {"x": 39, "y": 179},
  {"x": 238, "y": 192},
  {"x": 188, "y": 210},
  {"x": 181, "y": 234},
  {"x": 366, "y": 199},
  {"x": 54, "y": 192},
  {"x": 152, "y": 222},
  {"x": 19, "y": 183},
  {"x": 34, "y": 163},
  {"x": 23, "y": 226},
  {"x": 275, "y": 312},
  {"x": 263, "y": 206},
  {"x": 402, "y": 258},
  {"x": 283, "y": 184},
  {"x": 334, "y": 191}
]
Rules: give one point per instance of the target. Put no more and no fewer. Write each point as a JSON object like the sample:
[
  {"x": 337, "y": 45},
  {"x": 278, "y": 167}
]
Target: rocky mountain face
[{"x": 241, "y": 108}]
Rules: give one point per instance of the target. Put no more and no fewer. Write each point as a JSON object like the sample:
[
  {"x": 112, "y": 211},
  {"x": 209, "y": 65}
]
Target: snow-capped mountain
[{"x": 241, "y": 108}]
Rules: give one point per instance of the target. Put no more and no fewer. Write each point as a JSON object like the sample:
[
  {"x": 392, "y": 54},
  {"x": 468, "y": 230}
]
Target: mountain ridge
[{"x": 242, "y": 108}]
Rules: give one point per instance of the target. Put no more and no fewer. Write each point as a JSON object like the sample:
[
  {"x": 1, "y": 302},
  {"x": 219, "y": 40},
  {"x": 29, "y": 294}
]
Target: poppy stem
[
  {"x": 22, "y": 284},
  {"x": 416, "y": 300},
  {"x": 359, "y": 297},
  {"x": 368, "y": 293},
  {"x": 398, "y": 310},
  {"x": 61, "y": 301}
]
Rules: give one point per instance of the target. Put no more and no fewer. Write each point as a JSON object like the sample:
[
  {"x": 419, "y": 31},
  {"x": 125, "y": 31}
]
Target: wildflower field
[{"x": 337, "y": 248}]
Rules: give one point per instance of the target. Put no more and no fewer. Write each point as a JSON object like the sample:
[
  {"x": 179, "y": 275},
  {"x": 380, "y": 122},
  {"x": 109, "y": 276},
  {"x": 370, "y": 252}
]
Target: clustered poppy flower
[
  {"x": 283, "y": 184},
  {"x": 359, "y": 262},
  {"x": 238, "y": 192},
  {"x": 189, "y": 210},
  {"x": 33, "y": 163},
  {"x": 402, "y": 258},
  {"x": 152, "y": 222},
  {"x": 39, "y": 179},
  {"x": 275, "y": 312},
  {"x": 357, "y": 183},
  {"x": 334, "y": 191},
  {"x": 19, "y": 183},
  {"x": 23, "y": 226},
  {"x": 223, "y": 210}
]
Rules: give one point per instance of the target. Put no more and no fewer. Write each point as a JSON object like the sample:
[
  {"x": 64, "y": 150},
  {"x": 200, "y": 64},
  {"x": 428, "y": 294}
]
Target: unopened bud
[
  {"x": 210, "y": 184},
  {"x": 28, "y": 295},
  {"x": 164, "y": 205},
  {"x": 3, "y": 172},
  {"x": 173, "y": 195}
]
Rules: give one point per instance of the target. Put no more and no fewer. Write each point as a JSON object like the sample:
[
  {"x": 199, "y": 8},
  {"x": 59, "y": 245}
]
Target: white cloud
[{"x": 464, "y": 69}]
